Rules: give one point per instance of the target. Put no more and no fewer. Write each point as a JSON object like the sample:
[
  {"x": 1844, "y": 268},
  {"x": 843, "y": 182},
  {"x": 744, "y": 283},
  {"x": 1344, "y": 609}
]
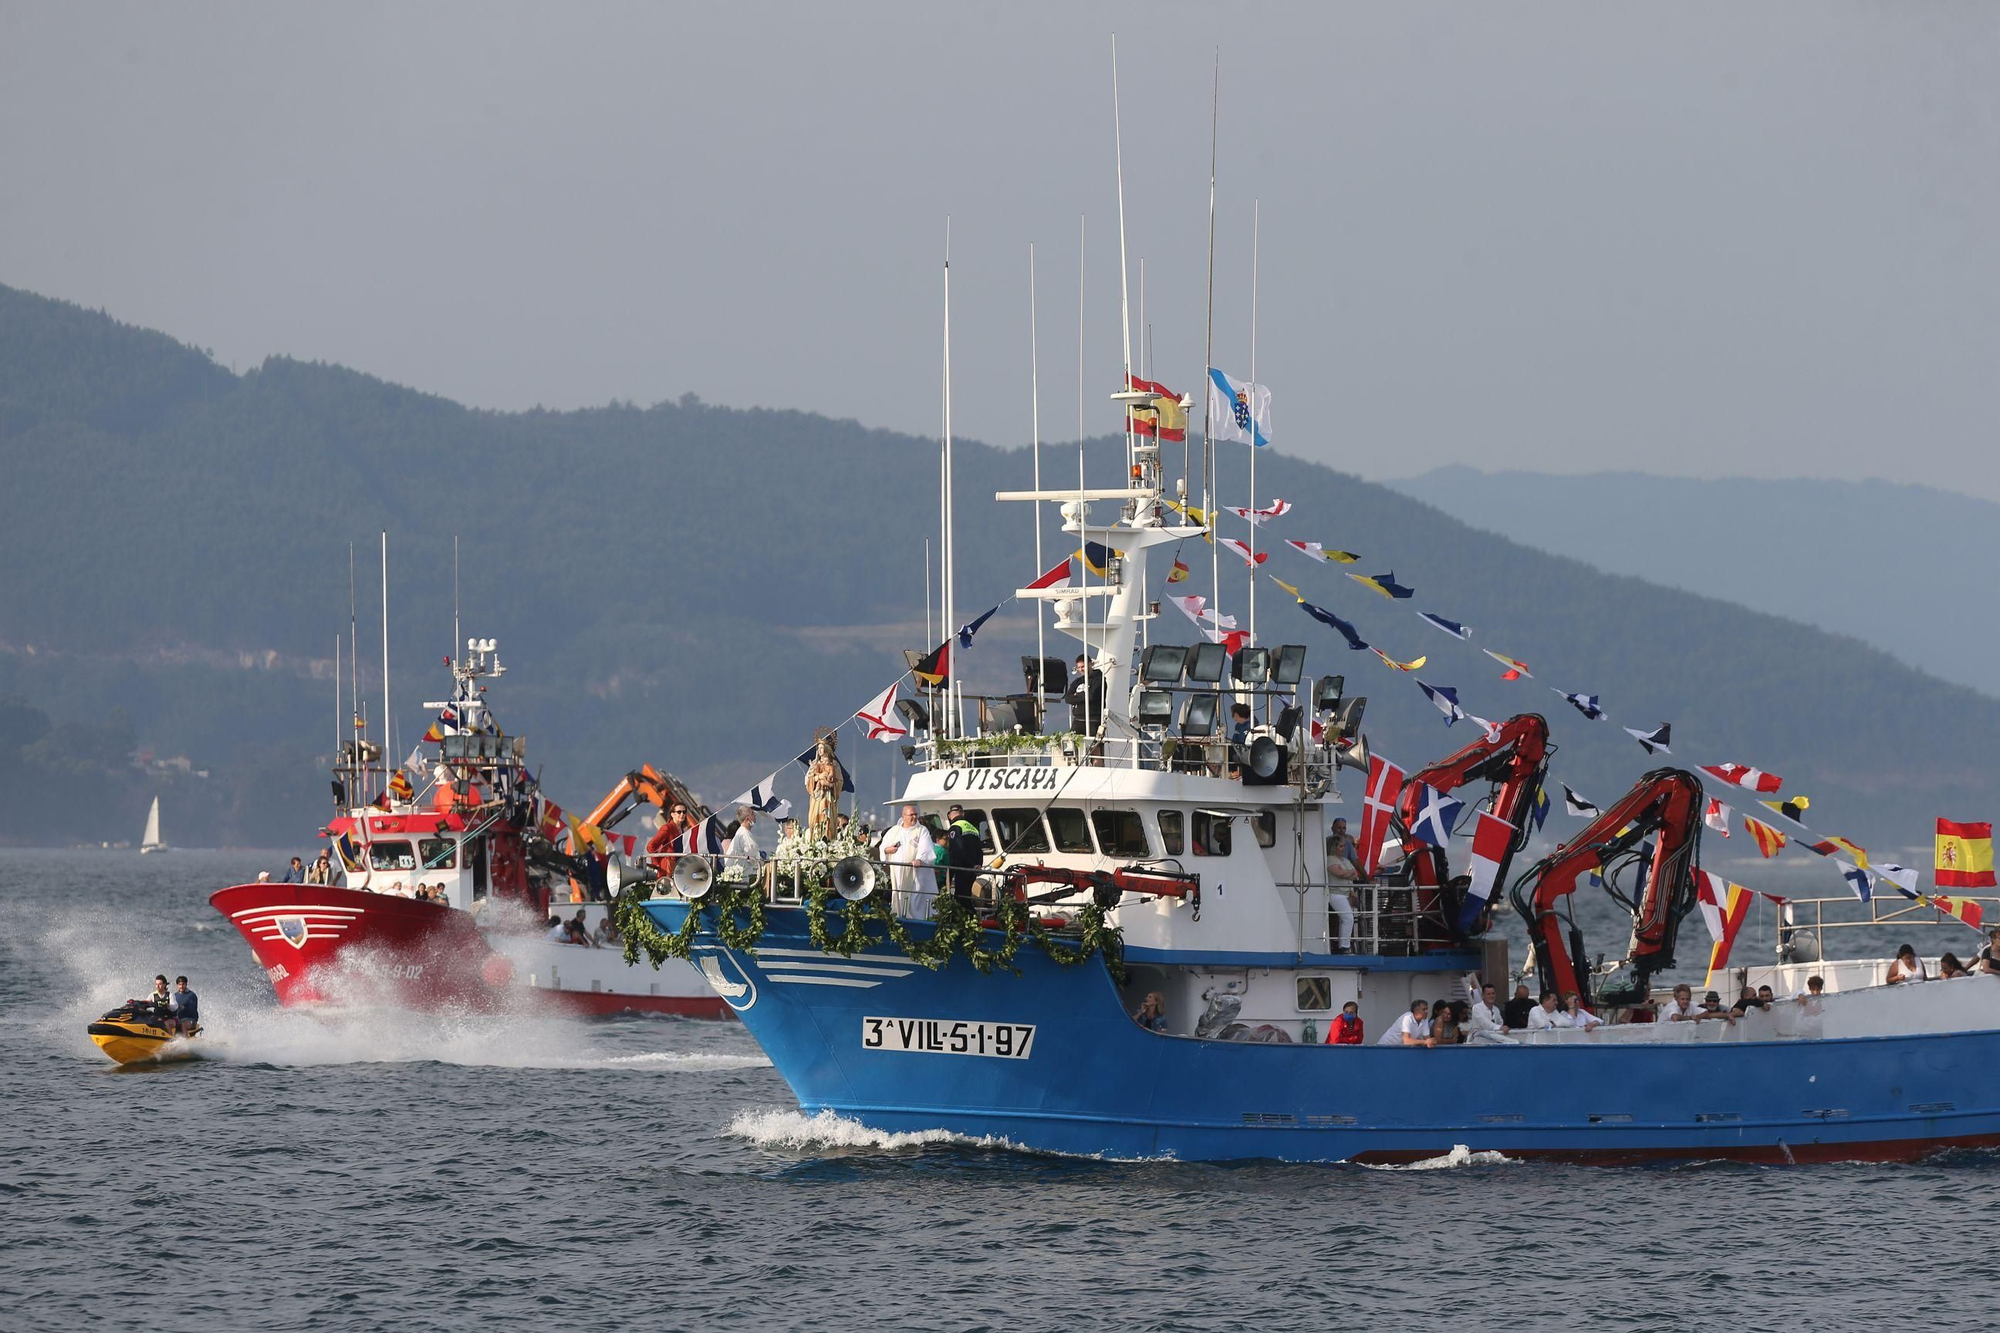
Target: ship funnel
[{"x": 854, "y": 877}]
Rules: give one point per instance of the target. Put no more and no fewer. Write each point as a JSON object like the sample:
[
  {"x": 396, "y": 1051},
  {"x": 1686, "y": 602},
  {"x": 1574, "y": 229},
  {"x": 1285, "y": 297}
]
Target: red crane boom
[{"x": 1515, "y": 759}]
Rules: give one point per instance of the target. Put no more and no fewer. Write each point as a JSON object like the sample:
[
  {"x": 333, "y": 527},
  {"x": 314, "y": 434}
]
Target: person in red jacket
[
  {"x": 661, "y": 844},
  {"x": 1345, "y": 1029}
]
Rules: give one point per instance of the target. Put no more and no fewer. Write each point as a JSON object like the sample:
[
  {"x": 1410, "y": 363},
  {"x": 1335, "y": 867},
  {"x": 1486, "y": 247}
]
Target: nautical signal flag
[
  {"x": 1792, "y": 808},
  {"x": 1060, "y": 574},
  {"x": 1385, "y": 584},
  {"x": 764, "y": 796},
  {"x": 1179, "y": 572},
  {"x": 1515, "y": 670},
  {"x": 1250, "y": 557},
  {"x": 1399, "y": 666},
  {"x": 1539, "y": 811},
  {"x": 552, "y": 820},
  {"x": 1904, "y": 878},
  {"x": 400, "y": 789},
  {"x": 1654, "y": 741},
  {"x": 1296, "y": 594},
  {"x": 1097, "y": 557},
  {"x": 879, "y": 717},
  {"x": 1318, "y": 552},
  {"x": 1276, "y": 509},
  {"x": 1435, "y": 816},
  {"x": 966, "y": 631},
  {"x": 1584, "y": 703},
  {"x": 1769, "y": 841},
  {"x": 1963, "y": 908},
  {"x": 1724, "y": 907},
  {"x": 1345, "y": 630},
  {"x": 1445, "y": 699},
  {"x": 1451, "y": 627},
  {"x": 1857, "y": 879},
  {"x": 1491, "y": 838},
  {"x": 934, "y": 667},
  {"x": 1833, "y": 846},
  {"x": 1716, "y": 816},
  {"x": 1162, "y": 419},
  {"x": 1385, "y": 790},
  {"x": 1238, "y": 410},
  {"x": 1577, "y": 806},
  {"x": 1742, "y": 775},
  {"x": 1964, "y": 856}
]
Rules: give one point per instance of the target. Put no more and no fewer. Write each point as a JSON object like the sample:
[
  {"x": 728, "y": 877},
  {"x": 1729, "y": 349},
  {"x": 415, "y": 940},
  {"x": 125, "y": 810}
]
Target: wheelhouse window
[
  {"x": 1315, "y": 993},
  {"x": 1020, "y": 831},
  {"x": 392, "y": 856},
  {"x": 1265, "y": 825},
  {"x": 1071, "y": 829},
  {"x": 1211, "y": 833},
  {"x": 1120, "y": 832},
  {"x": 1173, "y": 832},
  {"x": 438, "y": 853}
]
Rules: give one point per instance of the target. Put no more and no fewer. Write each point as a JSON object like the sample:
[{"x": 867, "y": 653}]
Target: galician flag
[{"x": 1238, "y": 410}]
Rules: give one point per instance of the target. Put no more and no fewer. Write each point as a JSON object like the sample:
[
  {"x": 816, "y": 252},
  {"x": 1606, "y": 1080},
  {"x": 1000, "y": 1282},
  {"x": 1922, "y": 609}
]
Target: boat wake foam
[
  {"x": 796, "y": 1131},
  {"x": 1460, "y": 1155}
]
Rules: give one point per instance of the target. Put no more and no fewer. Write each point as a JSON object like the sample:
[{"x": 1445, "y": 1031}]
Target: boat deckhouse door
[{"x": 479, "y": 869}]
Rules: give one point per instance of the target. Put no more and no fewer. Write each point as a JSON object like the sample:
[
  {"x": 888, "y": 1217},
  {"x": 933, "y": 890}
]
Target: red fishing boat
[{"x": 453, "y": 893}]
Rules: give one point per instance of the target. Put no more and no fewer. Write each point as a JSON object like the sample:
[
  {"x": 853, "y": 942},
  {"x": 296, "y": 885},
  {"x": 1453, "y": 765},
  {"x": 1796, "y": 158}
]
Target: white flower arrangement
[{"x": 811, "y": 859}]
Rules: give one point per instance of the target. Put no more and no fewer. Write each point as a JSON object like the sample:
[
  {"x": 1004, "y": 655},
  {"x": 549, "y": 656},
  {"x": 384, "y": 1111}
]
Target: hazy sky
[{"x": 1702, "y": 239}]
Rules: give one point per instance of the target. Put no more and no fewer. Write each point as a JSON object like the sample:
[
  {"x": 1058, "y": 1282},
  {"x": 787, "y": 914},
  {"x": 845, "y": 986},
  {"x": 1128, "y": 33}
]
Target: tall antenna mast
[
  {"x": 1256, "y": 225},
  {"x": 1124, "y": 279},
  {"x": 1035, "y": 409},
  {"x": 388, "y": 738},
  {"x": 953, "y": 696},
  {"x": 1208, "y": 357},
  {"x": 339, "y": 722},
  {"x": 354, "y": 672},
  {"x": 455, "y": 640},
  {"x": 1083, "y": 554}
]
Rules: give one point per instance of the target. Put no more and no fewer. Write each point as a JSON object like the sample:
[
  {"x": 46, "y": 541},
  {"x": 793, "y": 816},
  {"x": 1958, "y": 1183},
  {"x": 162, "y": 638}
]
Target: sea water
[{"x": 369, "y": 1170}]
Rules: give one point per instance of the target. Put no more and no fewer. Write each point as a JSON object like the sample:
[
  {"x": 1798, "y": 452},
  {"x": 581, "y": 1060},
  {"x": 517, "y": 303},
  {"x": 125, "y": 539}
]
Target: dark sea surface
[{"x": 377, "y": 1170}]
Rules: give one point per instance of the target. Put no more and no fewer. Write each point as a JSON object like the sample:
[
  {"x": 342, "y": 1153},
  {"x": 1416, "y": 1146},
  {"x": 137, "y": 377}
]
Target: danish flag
[{"x": 1385, "y": 788}]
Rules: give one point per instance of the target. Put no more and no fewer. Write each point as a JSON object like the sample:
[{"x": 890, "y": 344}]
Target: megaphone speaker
[
  {"x": 1353, "y": 756},
  {"x": 854, "y": 877},
  {"x": 1265, "y": 763},
  {"x": 693, "y": 877}
]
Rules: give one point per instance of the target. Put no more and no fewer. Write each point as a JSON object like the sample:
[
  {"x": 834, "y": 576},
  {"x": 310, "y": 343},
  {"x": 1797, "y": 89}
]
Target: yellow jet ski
[{"x": 135, "y": 1031}]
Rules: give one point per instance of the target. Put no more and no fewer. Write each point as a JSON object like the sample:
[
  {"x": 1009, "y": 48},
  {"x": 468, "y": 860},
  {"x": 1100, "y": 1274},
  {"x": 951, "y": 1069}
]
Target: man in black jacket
[{"x": 1085, "y": 697}]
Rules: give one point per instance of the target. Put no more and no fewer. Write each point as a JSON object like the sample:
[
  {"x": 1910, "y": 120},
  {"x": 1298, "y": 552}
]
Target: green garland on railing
[{"x": 957, "y": 929}]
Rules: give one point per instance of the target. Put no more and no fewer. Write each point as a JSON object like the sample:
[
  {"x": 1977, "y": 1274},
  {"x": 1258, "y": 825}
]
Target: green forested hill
[{"x": 699, "y": 586}]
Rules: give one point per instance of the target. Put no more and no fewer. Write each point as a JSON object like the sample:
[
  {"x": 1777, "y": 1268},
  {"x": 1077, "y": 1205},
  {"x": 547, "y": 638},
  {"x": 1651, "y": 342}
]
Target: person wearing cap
[{"x": 962, "y": 853}]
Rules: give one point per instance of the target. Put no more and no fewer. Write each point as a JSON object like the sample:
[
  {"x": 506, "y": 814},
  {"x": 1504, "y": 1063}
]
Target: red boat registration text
[{"x": 944, "y": 1036}]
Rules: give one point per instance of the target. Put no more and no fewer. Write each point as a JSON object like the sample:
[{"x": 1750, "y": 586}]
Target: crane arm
[
  {"x": 1515, "y": 759},
  {"x": 1665, "y": 806}
]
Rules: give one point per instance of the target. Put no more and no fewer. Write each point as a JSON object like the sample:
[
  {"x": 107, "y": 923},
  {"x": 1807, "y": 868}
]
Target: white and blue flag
[
  {"x": 1446, "y": 699},
  {"x": 1584, "y": 703},
  {"x": 1238, "y": 410},
  {"x": 1436, "y": 818},
  {"x": 764, "y": 796},
  {"x": 1857, "y": 879}
]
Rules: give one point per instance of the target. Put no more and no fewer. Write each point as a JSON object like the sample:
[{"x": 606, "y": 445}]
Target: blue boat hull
[{"x": 1095, "y": 1083}]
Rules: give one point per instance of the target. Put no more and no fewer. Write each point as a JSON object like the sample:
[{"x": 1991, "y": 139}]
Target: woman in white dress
[{"x": 1907, "y": 967}]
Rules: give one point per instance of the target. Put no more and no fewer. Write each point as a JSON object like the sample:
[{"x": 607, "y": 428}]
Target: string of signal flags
[{"x": 1963, "y": 851}]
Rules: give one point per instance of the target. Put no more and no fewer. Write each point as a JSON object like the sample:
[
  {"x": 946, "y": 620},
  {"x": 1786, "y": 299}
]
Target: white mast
[
  {"x": 1083, "y": 554},
  {"x": 354, "y": 680},
  {"x": 388, "y": 739},
  {"x": 455, "y": 640},
  {"x": 1208, "y": 358},
  {"x": 1256, "y": 225},
  {"x": 950, "y": 626},
  {"x": 1035, "y": 410},
  {"x": 1124, "y": 280},
  {"x": 338, "y": 721}
]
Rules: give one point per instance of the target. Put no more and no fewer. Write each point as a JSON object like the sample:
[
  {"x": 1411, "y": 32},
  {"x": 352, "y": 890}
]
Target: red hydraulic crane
[{"x": 1515, "y": 759}]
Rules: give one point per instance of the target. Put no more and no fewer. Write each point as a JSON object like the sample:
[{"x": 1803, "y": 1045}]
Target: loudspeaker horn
[
  {"x": 1354, "y": 755},
  {"x": 1264, "y": 759},
  {"x": 693, "y": 877},
  {"x": 854, "y": 877},
  {"x": 614, "y": 874}
]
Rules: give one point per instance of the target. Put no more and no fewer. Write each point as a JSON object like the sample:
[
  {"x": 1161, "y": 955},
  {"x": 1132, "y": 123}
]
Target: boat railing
[{"x": 1388, "y": 921}]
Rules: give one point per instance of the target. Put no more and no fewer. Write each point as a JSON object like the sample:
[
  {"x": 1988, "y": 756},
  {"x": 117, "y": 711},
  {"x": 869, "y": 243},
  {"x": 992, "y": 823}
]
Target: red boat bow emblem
[{"x": 293, "y": 928}]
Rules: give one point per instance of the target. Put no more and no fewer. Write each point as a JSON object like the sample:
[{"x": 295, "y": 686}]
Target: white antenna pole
[
  {"x": 953, "y": 693},
  {"x": 338, "y": 720},
  {"x": 455, "y": 640},
  {"x": 1145, "y": 361},
  {"x": 354, "y": 675},
  {"x": 1256, "y": 225},
  {"x": 1083, "y": 554},
  {"x": 1208, "y": 358},
  {"x": 388, "y": 737},
  {"x": 1124, "y": 280},
  {"x": 1035, "y": 408}
]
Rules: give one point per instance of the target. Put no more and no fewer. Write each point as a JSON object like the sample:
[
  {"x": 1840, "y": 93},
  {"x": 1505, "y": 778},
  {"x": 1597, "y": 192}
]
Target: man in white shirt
[
  {"x": 1682, "y": 1009},
  {"x": 912, "y": 856},
  {"x": 743, "y": 858},
  {"x": 1412, "y": 1029},
  {"x": 1545, "y": 1015},
  {"x": 1487, "y": 1021},
  {"x": 1342, "y": 870}
]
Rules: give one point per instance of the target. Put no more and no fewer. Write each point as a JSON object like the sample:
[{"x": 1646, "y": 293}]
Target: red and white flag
[
  {"x": 1385, "y": 788},
  {"x": 1490, "y": 841},
  {"x": 1723, "y": 909},
  {"x": 1276, "y": 509},
  {"x": 1742, "y": 775},
  {"x": 878, "y": 715},
  {"x": 1060, "y": 574},
  {"x": 1250, "y": 557},
  {"x": 1716, "y": 816}
]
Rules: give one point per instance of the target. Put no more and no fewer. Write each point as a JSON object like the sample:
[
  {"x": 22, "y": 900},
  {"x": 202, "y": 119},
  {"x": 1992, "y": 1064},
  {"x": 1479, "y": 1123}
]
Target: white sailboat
[{"x": 151, "y": 843}]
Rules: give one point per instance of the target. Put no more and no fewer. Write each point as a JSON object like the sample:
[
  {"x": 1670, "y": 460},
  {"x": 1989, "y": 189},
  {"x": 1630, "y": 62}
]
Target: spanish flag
[
  {"x": 1180, "y": 572},
  {"x": 1769, "y": 841},
  {"x": 1964, "y": 856},
  {"x": 1162, "y": 419}
]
